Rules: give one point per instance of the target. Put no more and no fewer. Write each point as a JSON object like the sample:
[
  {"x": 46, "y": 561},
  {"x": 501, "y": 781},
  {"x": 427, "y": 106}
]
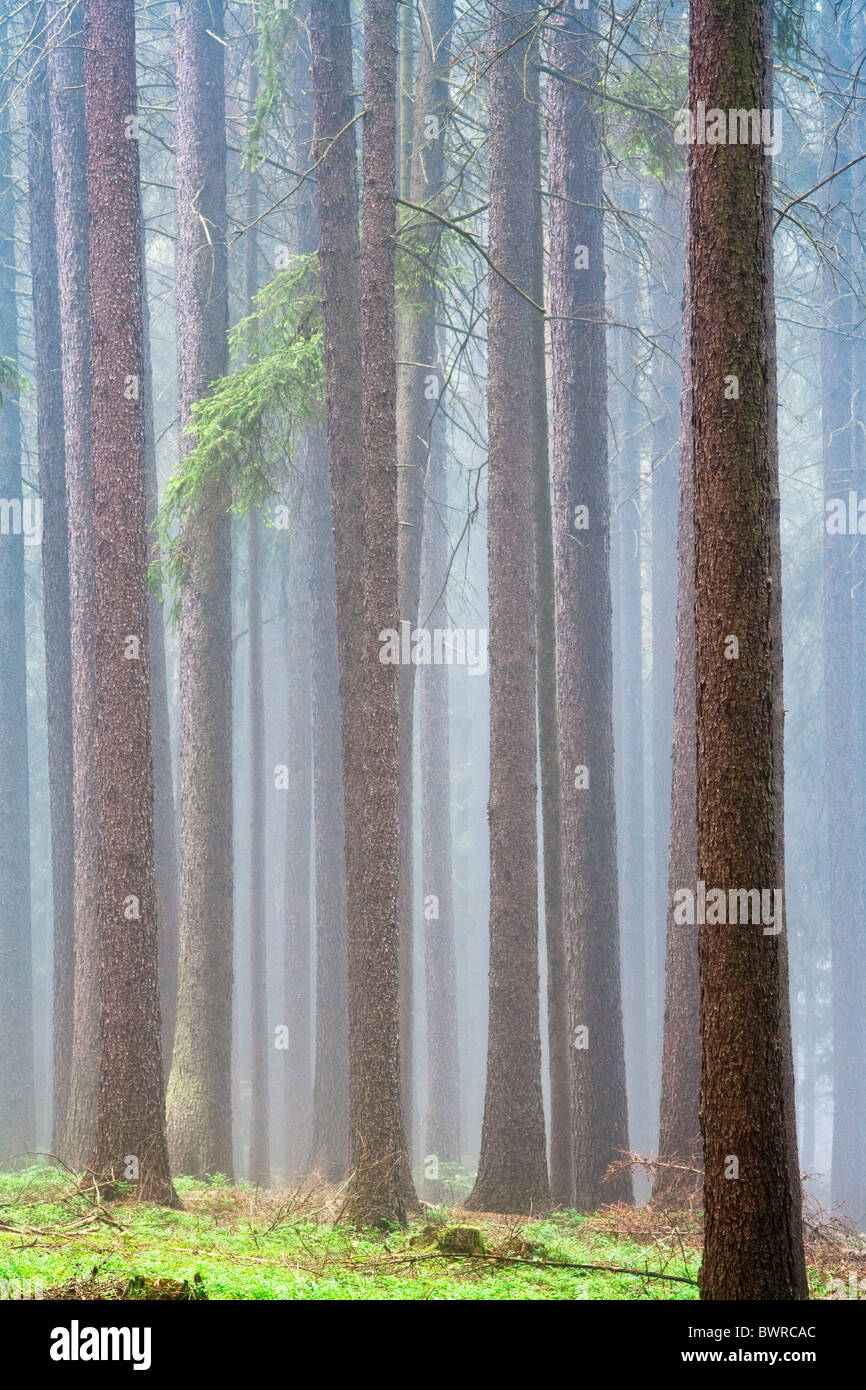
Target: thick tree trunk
[
  {"x": 752, "y": 1250},
  {"x": 199, "y": 1091},
  {"x": 577, "y": 305},
  {"x": 130, "y": 1127},
  {"x": 17, "y": 1117},
  {"x": 55, "y": 552},
  {"x": 381, "y": 1186},
  {"x": 512, "y": 1169},
  {"x": 66, "y": 67},
  {"x": 339, "y": 261}
]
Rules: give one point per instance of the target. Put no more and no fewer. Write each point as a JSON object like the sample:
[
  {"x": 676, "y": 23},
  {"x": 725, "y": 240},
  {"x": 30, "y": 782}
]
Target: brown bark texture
[
  {"x": 130, "y": 1126},
  {"x": 577, "y": 306},
  {"x": 752, "y": 1249},
  {"x": 69, "y": 153},
  {"x": 512, "y": 1169},
  {"x": 381, "y": 1188}
]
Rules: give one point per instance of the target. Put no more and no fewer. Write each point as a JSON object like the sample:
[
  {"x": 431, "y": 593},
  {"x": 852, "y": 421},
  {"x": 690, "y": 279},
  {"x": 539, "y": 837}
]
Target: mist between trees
[{"x": 431, "y": 445}]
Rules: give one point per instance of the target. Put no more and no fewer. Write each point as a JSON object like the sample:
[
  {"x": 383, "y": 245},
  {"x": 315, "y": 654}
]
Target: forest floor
[{"x": 58, "y": 1240}]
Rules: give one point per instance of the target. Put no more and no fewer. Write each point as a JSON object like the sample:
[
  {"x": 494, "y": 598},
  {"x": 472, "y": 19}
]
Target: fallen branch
[{"x": 490, "y": 1257}]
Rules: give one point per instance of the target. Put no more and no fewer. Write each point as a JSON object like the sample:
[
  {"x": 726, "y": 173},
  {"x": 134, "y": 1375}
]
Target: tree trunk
[
  {"x": 414, "y": 354},
  {"x": 665, "y": 308},
  {"x": 752, "y": 1250},
  {"x": 17, "y": 1117},
  {"x": 298, "y": 921},
  {"x": 548, "y": 728},
  {"x": 440, "y": 951},
  {"x": 512, "y": 1169},
  {"x": 629, "y": 751},
  {"x": 679, "y": 1116},
  {"x": 260, "y": 1043},
  {"x": 577, "y": 304},
  {"x": 339, "y": 262},
  {"x": 130, "y": 1126},
  {"x": 66, "y": 68},
  {"x": 199, "y": 1091},
  {"x": 381, "y": 1187},
  {"x": 422, "y": 564},
  {"x": 329, "y": 1144},
  {"x": 164, "y": 815},
  {"x": 55, "y": 552},
  {"x": 259, "y": 1160}
]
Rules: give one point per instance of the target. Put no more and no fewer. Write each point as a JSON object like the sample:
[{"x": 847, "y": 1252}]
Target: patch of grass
[{"x": 233, "y": 1243}]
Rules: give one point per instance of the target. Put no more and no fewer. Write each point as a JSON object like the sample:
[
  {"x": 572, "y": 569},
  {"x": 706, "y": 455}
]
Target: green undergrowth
[{"x": 237, "y": 1243}]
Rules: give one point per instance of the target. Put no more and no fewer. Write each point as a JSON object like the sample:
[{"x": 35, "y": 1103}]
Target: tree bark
[
  {"x": 629, "y": 751},
  {"x": 752, "y": 1250},
  {"x": 339, "y": 262},
  {"x": 17, "y": 1118},
  {"x": 164, "y": 815},
  {"x": 665, "y": 307},
  {"x": 259, "y": 1159},
  {"x": 55, "y": 552},
  {"x": 66, "y": 69},
  {"x": 577, "y": 305},
  {"x": 548, "y": 717},
  {"x": 440, "y": 949},
  {"x": 259, "y": 1156},
  {"x": 328, "y": 1153},
  {"x": 381, "y": 1188},
  {"x": 298, "y": 924},
  {"x": 679, "y": 1115},
  {"x": 512, "y": 1169},
  {"x": 199, "y": 1091},
  {"x": 130, "y": 1126}
]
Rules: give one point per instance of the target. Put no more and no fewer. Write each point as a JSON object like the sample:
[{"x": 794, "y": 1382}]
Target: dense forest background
[{"x": 422, "y": 449}]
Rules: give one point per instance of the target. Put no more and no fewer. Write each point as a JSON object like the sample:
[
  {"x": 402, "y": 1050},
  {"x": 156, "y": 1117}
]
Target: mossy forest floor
[{"x": 58, "y": 1240}]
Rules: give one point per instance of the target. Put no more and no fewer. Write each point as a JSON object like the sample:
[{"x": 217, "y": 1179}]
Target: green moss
[{"x": 229, "y": 1243}]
